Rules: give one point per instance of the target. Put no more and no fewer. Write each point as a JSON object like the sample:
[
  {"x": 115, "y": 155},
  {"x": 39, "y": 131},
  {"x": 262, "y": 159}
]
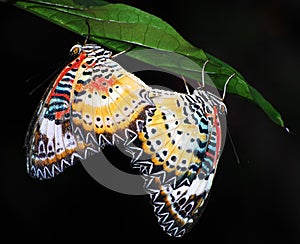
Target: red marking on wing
[
  {"x": 75, "y": 64},
  {"x": 100, "y": 84},
  {"x": 60, "y": 114},
  {"x": 210, "y": 155},
  {"x": 218, "y": 132}
]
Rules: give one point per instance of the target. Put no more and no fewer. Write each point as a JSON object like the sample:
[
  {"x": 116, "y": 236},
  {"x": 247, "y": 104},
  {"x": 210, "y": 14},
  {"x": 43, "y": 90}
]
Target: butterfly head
[
  {"x": 91, "y": 50},
  {"x": 76, "y": 50}
]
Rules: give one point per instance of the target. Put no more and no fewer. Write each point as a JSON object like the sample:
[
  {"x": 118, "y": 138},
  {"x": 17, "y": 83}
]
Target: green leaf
[{"x": 119, "y": 27}]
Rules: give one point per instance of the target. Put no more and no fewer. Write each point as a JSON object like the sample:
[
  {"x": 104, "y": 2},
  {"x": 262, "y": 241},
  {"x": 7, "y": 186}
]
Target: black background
[{"x": 256, "y": 201}]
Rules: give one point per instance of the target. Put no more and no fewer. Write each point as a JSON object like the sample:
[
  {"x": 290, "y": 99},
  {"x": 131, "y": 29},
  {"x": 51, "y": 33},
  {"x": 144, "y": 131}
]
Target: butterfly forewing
[
  {"x": 93, "y": 102},
  {"x": 107, "y": 107}
]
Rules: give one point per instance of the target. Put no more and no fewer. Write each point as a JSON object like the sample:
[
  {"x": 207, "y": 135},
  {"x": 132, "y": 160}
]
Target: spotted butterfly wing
[
  {"x": 182, "y": 138},
  {"x": 108, "y": 107},
  {"x": 85, "y": 107}
]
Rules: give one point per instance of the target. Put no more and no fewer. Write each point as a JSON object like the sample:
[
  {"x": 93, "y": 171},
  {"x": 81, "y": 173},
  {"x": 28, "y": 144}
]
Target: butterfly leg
[{"x": 122, "y": 52}]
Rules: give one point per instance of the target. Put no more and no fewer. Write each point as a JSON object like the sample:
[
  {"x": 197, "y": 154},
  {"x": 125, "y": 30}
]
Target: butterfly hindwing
[
  {"x": 182, "y": 140},
  {"x": 50, "y": 143}
]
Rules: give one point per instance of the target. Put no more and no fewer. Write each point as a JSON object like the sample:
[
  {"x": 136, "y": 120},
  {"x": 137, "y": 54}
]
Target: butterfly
[
  {"x": 93, "y": 102},
  {"x": 182, "y": 141}
]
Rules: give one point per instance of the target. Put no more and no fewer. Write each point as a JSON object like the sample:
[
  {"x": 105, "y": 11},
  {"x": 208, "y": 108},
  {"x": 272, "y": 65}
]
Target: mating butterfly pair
[{"x": 94, "y": 102}]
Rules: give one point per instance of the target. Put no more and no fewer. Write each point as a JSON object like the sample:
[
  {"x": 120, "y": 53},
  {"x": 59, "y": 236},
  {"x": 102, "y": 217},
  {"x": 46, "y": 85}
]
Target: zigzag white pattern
[{"x": 46, "y": 173}]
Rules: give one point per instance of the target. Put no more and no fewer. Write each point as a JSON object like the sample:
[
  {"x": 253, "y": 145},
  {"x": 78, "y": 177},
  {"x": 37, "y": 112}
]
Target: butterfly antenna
[
  {"x": 37, "y": 87},
  {"x": 225, "y": 86},
  {"x": 88, "y": 33},
  {"x": 49, "y": 78},
  {"x": 233, "y": 147},
  {"x": 203, "y": 72}
]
